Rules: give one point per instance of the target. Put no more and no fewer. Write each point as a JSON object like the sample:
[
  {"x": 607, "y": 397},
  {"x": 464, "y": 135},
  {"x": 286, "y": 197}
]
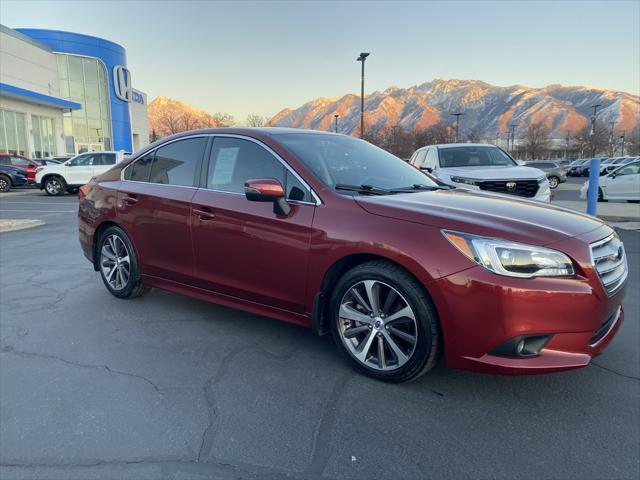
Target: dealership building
[{"x": 65, "y": 93}]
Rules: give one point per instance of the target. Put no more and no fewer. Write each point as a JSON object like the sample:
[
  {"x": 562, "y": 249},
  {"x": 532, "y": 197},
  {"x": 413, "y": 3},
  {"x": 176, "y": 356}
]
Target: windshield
[
  {"x": 474, "y": 156},
  {"x": 343, "y": 160}
]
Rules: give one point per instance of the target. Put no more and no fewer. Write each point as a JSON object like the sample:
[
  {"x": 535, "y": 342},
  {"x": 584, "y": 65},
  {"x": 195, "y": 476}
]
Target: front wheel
[
  {"x": 554, "y": 182},
  {"x": 119, "y": 265},
  {"x": 5, "y": 183},
  {"x": 383, "y": 321},
  {"x": 54, "y": 186}
]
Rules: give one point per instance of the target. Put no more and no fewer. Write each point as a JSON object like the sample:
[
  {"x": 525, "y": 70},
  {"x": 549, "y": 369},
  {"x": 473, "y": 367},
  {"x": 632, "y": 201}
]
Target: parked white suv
[
  {"x": 478, "y": 166},
  {"x": 75, "y": 172}
]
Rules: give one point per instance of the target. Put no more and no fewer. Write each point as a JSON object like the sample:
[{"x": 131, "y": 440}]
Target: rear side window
[
  {"x": 105, "y": 159},
  {"x": 178, "y": 162},
  {"x": 140, "y": 170}
]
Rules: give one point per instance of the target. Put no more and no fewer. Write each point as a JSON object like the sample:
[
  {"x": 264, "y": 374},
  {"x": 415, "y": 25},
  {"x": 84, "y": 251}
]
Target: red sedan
[
  {"x": 330, "y": 232},
  {"x": 23, "y": 163}
]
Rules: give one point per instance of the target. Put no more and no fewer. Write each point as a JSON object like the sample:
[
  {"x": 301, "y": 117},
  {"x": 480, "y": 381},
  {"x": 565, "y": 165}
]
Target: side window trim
[{"x": 316, "y": 200}]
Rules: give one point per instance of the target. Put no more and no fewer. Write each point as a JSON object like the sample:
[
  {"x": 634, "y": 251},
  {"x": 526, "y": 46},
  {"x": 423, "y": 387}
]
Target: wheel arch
[
  {"x": 8, "y": 177},
  {"x": 98, "y": 234},
  {"x": 321, "y": 302}
]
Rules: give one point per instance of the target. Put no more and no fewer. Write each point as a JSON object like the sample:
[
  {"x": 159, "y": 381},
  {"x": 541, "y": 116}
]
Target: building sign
[
  {"x": 122, "y": 83},
  {"x": 137, "y": 97}
]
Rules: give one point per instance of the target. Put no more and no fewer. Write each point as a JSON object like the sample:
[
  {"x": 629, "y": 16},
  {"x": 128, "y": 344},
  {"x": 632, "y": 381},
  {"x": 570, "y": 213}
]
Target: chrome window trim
[{"x": 316, "y": 198}]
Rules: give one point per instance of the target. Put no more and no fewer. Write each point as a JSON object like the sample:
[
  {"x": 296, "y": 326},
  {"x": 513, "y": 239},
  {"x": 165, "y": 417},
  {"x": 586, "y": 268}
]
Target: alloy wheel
[
  {"x": 53, "y": 186},
  {"x": 4, "y": 185},
  {"x": 553, "y": 182},
  {"x": 114, "y": 262},
  {"x": 377, "y": 325}
]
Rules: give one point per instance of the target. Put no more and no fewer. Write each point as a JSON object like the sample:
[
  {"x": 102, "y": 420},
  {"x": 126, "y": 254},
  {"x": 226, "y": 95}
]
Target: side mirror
[
  {"x": 427, "y": 169},
  {"x": 267, "y": 190}
]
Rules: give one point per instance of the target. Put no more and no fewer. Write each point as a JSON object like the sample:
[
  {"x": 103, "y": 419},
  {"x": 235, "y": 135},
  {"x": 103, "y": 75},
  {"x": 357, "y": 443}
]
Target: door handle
[
  {"x": 204, "y": 213},
  {"x": 130, "y": 200}
]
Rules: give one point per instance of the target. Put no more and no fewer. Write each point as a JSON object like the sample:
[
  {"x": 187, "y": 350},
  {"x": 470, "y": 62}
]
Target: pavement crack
[
  {"x": 614, "y": 372},
  {"x": 78, "y": 364},
  {"x": 321, "y": 448}
]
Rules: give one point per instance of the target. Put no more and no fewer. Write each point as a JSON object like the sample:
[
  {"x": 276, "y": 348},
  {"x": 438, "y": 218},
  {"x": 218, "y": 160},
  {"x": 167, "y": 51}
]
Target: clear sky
[{"x": 259, "y": 57}]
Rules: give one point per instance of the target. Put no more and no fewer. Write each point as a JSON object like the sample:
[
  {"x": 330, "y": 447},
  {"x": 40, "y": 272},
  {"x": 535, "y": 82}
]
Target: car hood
[
  {"x": 492, "y": 173},
  {"x": 494, "y": 215}
]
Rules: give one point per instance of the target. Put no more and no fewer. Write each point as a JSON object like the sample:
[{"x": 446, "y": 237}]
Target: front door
[
  {"x": 242, "y": 248},
  {"x": 626, "y": 184},
  {"x": 79, "y": 170}
]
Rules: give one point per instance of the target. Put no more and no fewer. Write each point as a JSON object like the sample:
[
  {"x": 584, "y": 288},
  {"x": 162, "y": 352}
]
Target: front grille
[
  {"x": 610, "y": 261},
  {"x": 522, "y": 188},
  {"x": 605, "y": 327}
]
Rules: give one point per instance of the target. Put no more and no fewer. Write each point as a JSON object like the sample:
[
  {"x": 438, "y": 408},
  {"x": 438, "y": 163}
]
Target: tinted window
[
  {"x": 105, "y": 159},
  {"x": 296, "y": 190},
  {"x": 5, "y": 160},
  {"x": 473, "y": 156},
  {"x": 177, "y": 162},
  {"x": 21, "y": 162},
  {"x": 233, "y": 161},
  {"x": 632, "y": 169},
  {"x": 419, "y": 158},
  {"x": 140, "y": 170},
  {"x": 337, "y": 159}
]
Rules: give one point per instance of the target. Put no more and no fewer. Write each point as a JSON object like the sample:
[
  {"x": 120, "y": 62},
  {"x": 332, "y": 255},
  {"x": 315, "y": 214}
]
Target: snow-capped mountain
[{"x": 487, "y": 109}]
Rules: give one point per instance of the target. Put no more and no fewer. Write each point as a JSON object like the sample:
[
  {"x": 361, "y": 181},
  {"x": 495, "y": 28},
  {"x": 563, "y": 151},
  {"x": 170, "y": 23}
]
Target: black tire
[
  {"x": 427, "y": 348},
  {"x": 554, "y": 182},
  {"x": 73, "y": 190},
  {"x": 54, "y": 186},
  {"x": 600, "y": 195},
  {"x": 5, "y": 183},
  {"x": 134, "y": 286}
]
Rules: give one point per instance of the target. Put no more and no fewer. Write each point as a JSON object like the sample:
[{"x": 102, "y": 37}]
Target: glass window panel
[
  {"x": 80, "y": 129},
  {"x": 76, "y": 91},
  {"x": 106, "y": 128},
  {"x": 92, "y": 108},
  {"x": 67, "y": 125},
  {"x": 69, "y": 144},
  {"x": 90, "y": 70},
  {"x": 107, "y": 143},
  {"x": 10, "y": 125},
  {"x": 37, "y": 137},
  {"x": 3, "y": 140},
  {"x": 64, "y": 89},
  {"x": 62, "y": 66},
  {"x": 139, "y": 171},
  {"x": 91, "y": 92},
  {"x": 95, "y": 127},
  {"x": 78, "y": 114},
  {"x": 21, "y": 128},
  {"x": 75, "y": 69},
  {"x": 101, "y": 74}
]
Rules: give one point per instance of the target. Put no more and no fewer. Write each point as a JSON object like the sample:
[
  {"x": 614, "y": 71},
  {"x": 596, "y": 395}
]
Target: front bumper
[{"x": 479, "y": 311}]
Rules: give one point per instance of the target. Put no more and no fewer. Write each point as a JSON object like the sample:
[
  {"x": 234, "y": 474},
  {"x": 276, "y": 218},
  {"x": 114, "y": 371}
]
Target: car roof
[{"x": 453, "y": 145}]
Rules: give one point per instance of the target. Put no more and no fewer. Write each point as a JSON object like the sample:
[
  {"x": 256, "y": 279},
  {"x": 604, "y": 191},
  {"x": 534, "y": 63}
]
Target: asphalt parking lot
[{"x": 171, "y": 387}]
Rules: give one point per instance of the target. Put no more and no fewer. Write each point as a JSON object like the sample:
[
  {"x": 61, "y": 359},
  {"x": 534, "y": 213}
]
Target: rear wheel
[
  {"x": 384, "y": 323},
  {"x": 554, "y": 182},
  {"x": 5, "y": 183},
  {"x": 118, "y": 265},
  {"x": 54, "y": 186}
]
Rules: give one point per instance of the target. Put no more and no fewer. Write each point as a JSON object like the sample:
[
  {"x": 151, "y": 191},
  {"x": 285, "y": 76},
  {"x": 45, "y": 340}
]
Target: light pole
[
  {"x": 622, "y": 144},
  {"x": 566, "y": 145},
  {"x": 457, "y": 115},
  {"x": 592, "y": 132},
  {"x": 363, "y": 56},
  {"x": 336, "y": 121},
  {"x": 512, "y": 128}
]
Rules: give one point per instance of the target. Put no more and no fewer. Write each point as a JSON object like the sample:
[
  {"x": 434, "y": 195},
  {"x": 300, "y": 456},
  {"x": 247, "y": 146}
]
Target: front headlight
[
  {"x": 466, "y": 181},
  {"x": 510, "y": 258},
  {"x": 543, "y": 179}
]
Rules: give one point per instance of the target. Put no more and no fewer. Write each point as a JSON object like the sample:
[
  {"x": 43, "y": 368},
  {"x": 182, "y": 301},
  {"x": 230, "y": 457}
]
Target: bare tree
[
  {"x": 256, "y": 120},
  {"x": 534, "y": 139},
  {"x": 217, "y": 120},
  {"x": 169, "y": 121},
  {"x": 601, "y": 138},
  {"x": 632, "y": 142},
  {"x": 190, "y": 121}
]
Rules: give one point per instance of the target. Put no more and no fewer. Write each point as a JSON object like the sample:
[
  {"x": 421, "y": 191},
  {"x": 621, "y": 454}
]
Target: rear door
[
  {"x": 154, "y": 207},
  {"x": 242, "y": 248},
  {"x": 103, "y": 162}
]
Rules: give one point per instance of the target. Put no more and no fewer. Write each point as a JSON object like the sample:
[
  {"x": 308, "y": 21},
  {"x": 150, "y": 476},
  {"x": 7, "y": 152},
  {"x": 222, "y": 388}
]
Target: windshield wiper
[
  {"x": 365, "y": 189},
  {"x": 416, "y": 187}
]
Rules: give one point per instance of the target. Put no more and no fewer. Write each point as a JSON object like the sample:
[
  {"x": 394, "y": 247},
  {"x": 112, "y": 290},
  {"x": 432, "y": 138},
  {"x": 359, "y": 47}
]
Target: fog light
[{"x": 521, "y": 346}]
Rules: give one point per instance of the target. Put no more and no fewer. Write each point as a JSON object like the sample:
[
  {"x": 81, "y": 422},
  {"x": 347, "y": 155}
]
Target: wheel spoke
[
  {"x": 399, "y": 354},
  {"x": 361, "y": 301},
  {"x": 354, "y": 331},
  {"x": 403, "y": 335},
  {"x": 363, "y": 348},
  {"x": 373, "y": 291},
  {"x": 351, "y": 313},
  {"x": 107, "y": 253},
  {"x": 124, "y": 275},
  {"x": 112, "y": 245},
  {"x": 381, "y": 359},
  {"x": 389, "y": 301},
  {"x": 125, "y": 259},
  {"x": 111, "y": 272},
  {"x": 405, "y": 312}
]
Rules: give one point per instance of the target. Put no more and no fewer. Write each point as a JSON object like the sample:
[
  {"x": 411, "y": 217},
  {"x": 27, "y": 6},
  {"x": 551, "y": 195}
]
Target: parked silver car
[{"x": 556, "y": 174}]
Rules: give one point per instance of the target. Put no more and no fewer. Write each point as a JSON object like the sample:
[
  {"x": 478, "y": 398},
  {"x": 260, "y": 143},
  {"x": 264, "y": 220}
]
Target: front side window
[
  {"x": 82, "y": 161},
  {"x": 140, "y": 170},
  {"x": 336, "y": 160},
  {"x": 419, "y": 158},
  {"x": 21, "y": 162},
  {"x": 474, "y": 156},
  {"x": 178, "y": 162},
  {"x": 432, "y": 159},
  {"x": 632, "y": 169}
]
